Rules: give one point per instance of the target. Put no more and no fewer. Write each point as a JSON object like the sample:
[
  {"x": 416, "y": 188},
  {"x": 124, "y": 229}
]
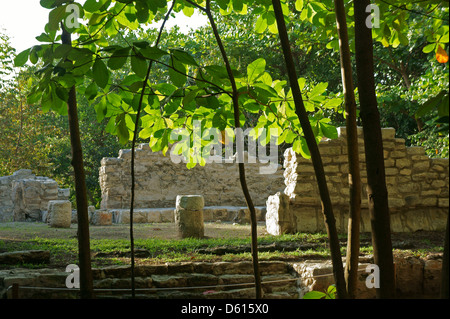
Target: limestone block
[
  {"x": 154, "y": 216},
  {"x": 432, "y": 277},
  {"x": 101, "y": 218},
  {"x": 388, "y": 133},
  {"x": 408, "y": 276},
  {"x": 279, "y": 218},
  {"x": 63, "y": 193},
  {"x": 307, "y": 219},
  {"x": 189, "y": 223},
  {"x": 190, "y": 202},
  {"x": 60, "y": 212},
  {"x": 167, "y": 215}
]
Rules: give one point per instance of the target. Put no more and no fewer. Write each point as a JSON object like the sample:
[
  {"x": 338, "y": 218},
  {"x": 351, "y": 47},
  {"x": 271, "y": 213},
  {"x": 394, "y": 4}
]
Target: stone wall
[
  {"x": 159, "y": 180},
  {"x": 418, "y": 188},
  {"x": 25, "y": 196},
  {"x": 415, "y": 278}
]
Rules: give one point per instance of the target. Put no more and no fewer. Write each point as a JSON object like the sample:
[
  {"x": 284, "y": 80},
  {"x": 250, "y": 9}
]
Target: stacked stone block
[
  {"x": 159, "y": 180},
  {"x": 417, "y": 188},
  {"x": 25, "y": 197}
]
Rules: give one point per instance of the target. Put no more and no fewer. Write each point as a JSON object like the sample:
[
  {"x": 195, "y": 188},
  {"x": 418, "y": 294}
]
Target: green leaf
[
  {"x": 429, "y": 48},
  {"x": 48, "y": 4},
  {"x": 429, "y": 105},
  {"x": 44, "y": 37},
  {"x": 100, "y": 73},
  {"x": 22, "y": 58},
  {"x": 328, "y": 130},
  {"x": 62, "y": 51},
  {"x": 314, "y": 295},
  {"x": 223, "y": 4},
  {"x": 118, "y": 58},
  {"x": 332, "y": 103},
  {"x": 261, "y": 24},
  {"x": 91, "y": 91},
  {"x": 55, "y": 17},
  {"x": 93, "y": 5},
  {"x": 299, "y": 5},
  {"x": 318, "y": 89},
  {"x": 139, "y": 66},
  {"x": 255, "y": 69},
  {"x": 184, "y": 57},
  {"x": 178, "y": 74},
  {"x": 172, "y": 106},
  {"x": 301, "y": 147},
  {"x": 122, "y": 131},
  {"x": 142, "y": 11},
  {"x": 188, "y": 11},
  {"x": 152, "y": 53}
]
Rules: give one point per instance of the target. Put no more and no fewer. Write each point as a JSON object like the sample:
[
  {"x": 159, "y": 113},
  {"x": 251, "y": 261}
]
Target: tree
[
  {"x": 84, "y": 251},
  {"x": 352, "y": 258},
  {"x": 373, "y": 145},
  {"x": 327, "y": 208}
]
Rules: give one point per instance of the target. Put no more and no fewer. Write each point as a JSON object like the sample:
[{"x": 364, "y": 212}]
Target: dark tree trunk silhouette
[
  {"x": 373, "y": 144},
  {"x": 133, "y": 150},
  {"x": 84, "y": 251},
  {"x": 354, "y": 179},
  {"x": 327, "y": 209},
  {"x": 242, "y": 179},
  {"x": 444, "y": 284}
]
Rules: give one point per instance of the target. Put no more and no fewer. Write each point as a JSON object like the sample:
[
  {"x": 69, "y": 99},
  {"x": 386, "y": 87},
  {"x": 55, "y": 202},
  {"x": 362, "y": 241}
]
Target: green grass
[{"x": 64, "y": 251}]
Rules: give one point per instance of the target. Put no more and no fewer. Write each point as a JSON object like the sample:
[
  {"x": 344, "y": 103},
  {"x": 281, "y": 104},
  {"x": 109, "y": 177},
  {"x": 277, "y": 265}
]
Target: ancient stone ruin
[
  {"x": 417, "y": 185},
  {"x": 159, "y": 180},
  {"x": 25, "y": 196},
  {"x": 287, "y": 201}
]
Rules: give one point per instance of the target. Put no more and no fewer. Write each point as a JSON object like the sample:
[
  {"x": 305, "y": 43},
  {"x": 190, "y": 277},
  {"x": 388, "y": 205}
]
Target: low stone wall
[
  {"x": 166, "y": 215},
  {"x": 159, "y": 180},
  {"x": 415, "y": 278},
  {"x": 418, "y": 188},
  {"x": 25, "y": 196}
]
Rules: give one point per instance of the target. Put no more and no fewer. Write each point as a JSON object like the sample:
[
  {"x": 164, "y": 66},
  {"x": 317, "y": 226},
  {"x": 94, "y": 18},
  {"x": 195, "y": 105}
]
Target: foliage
[
  {"x": 330, "y": 293},
  {"x": 195, "y": 91},
  {"x": 409, "y": 75}
]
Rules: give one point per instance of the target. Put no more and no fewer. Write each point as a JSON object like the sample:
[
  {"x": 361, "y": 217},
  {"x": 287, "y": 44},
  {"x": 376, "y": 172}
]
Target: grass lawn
[{"x": 158, "y": 243}]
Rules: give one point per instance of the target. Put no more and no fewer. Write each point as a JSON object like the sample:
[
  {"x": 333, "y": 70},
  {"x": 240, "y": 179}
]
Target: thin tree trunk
[
  {"x": 133, "y": 147},
  {"x": 242, "y": 179},
  {"x": 445, "y": 283},
  {"x": 354, "y": 178},
  {"x": 84, "y": 251},
  {"x": 300, "y": 110},
  {"x": 373, "y": 144}
]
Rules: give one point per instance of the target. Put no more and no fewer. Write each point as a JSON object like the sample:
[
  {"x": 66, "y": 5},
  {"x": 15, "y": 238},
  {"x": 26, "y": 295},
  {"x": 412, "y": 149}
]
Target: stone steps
[
  {"x": 196, "y": 280},
  {"x": 215, "y": 280}
]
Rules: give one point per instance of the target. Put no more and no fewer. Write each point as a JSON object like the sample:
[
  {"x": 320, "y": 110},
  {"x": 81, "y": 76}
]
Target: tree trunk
[
  {"x": 445, "y": 283},
  {"x": 242, "y": 179},
  {"x": 84, "y": 251},
  {"x": 373, "y": 143},
  {"x": 354, "y": 178},
  {"x": 327, "y": 209},
  {"x": 133, "y": 154}
]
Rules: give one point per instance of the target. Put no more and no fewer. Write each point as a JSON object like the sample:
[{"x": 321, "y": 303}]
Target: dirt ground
[{"x": 27, "y": 231}]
